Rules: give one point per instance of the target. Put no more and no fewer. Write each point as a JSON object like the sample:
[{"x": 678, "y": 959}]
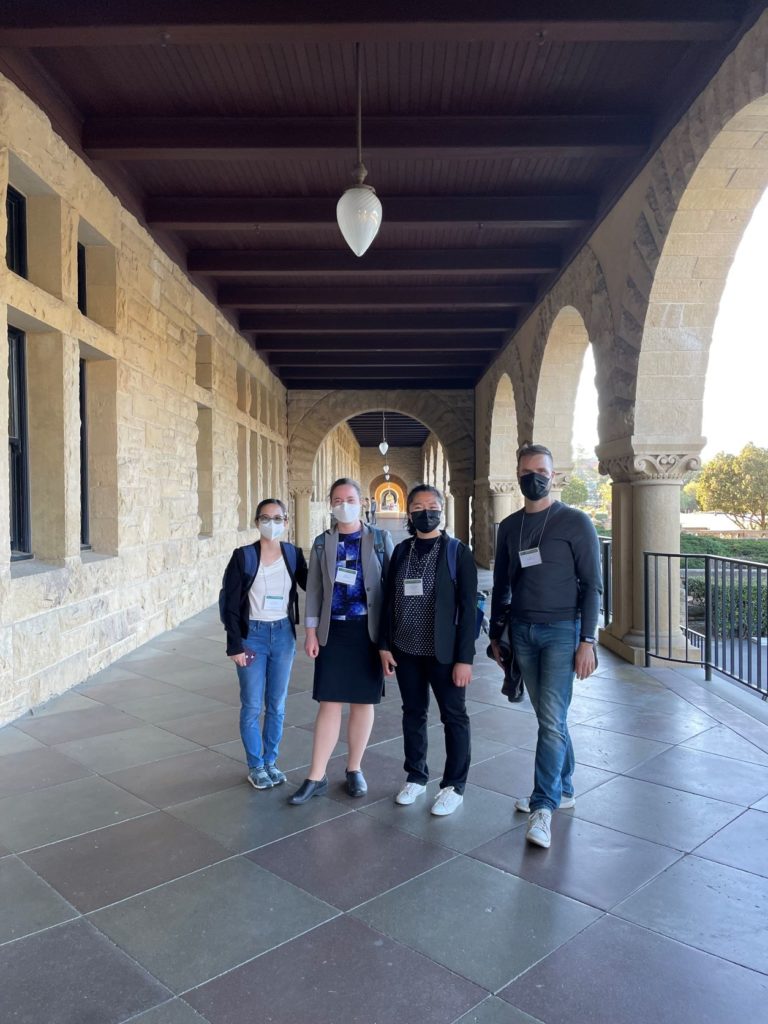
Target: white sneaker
[
  {"x": 524, "y": 804},
  {"x": 539, "y": 832},
  {"x": 409, "y": 792},
  {"x": 447, "y": 801}
]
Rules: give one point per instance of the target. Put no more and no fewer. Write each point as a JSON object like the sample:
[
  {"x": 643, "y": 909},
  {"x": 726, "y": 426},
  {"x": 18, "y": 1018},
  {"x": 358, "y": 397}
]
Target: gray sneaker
[
  {"x": 566, "y": 803},
  {"x": 540, "y": 828},
  {"x": 259, "y": 778},
  {"x": 275, "y": 774}
]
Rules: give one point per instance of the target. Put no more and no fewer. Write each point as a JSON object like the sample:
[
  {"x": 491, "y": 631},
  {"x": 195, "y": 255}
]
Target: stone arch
[
  {"x": 395, "y": 484},
  {"x": 503, "y": 439}
]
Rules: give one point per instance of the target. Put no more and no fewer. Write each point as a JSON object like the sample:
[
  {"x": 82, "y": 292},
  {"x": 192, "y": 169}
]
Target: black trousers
[{"x": 415, "y": 676}]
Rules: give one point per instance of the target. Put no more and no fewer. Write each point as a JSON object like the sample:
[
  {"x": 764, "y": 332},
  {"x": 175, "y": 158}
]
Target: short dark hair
[
  {"x": 270, "y": 501},
  {"x": 345, "y": 481},
  {"x": 534, "y": 449},
  {"x": 418, "y": 489}
]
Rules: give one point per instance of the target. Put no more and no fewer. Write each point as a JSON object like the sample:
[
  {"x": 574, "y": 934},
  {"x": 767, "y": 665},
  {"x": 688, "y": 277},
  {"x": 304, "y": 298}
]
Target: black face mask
[
  {"x": 426, "y": 520},
  {"x": 535, "y": 486}
]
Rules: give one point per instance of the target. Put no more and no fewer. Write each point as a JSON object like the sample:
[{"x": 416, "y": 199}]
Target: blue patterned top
[{"x": 349, "y": 602}]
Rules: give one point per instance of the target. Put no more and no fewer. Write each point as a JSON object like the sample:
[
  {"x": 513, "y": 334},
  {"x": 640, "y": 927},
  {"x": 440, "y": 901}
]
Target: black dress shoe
[
  {"x": 308, "y": 789},
  {"x": 356, "y": 784}
]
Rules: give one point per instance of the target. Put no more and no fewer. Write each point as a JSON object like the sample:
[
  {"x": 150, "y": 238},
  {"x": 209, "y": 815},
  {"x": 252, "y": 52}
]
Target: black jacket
[
  {"x": 236, "y": 595},
  {"x": 454, "y": 640}
]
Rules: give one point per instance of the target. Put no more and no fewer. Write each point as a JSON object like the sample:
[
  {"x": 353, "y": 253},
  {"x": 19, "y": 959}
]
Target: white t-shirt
[{"x": 269, "y": 593}]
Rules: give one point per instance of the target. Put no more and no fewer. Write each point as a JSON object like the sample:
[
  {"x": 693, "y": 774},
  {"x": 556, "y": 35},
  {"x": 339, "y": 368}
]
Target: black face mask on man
[
  {"x": 535, "y": 486},
  {"x": 426, "y": 520}
]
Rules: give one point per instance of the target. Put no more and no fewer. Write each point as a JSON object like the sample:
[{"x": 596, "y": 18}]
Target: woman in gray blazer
[{"x": 344, "y": 597}]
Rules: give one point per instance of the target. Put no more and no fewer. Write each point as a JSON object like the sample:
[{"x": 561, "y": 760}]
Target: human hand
[
  {"x": 462, "y": 674},
  {"x": 497, "y": 653},
  {"x": 388, "y": 663},
  {"x": 584, "y": 661},
  {"x": 311, "y": 645},
  {"x": 239, "y": 659}
]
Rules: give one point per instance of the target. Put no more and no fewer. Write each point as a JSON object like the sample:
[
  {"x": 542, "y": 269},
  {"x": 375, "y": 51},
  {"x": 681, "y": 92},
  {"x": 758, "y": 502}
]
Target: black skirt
[{"x": 348, "y": 668}]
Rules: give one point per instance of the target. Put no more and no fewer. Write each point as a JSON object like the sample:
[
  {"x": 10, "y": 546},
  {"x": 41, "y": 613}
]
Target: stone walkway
[{"x": 142, "y": 880}]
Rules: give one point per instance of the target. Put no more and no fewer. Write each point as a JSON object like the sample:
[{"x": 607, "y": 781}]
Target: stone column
[
  {"x": 302, "y": 496},
  {"x": 461, "y": 495},
  {"x": 645, "y": 517},
  {"x": 449, "y": 521}
]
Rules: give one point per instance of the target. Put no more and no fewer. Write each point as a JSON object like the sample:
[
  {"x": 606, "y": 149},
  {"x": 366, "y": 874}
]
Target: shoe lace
[
  {"x": 444, "y": 795},
  {"x": 540, "y": 819}
]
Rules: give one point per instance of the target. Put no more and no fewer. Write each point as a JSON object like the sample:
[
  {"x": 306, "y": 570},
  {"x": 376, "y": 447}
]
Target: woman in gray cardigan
[{"x": 344, "y": 596}]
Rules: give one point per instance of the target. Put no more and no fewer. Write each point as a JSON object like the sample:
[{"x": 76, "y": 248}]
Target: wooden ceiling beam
[
  {"x": 379, "y": 323},
  {"x": 314, "y": 263},
  {"x": 391, "y": 343},
  {"x": 179, "y": 23},
  {"x": 310, "y": 138},
  {"x": 372, "y": 357},
  {"x": 392, "y": 372},
  {"x": 199, "y": 213},
  {"x": 253, "y": 296}
]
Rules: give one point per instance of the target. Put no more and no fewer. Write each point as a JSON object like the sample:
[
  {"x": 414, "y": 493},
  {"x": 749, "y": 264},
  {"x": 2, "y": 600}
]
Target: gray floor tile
[
  {"x": 696, "y": 771},
  {"x": 374, "y": 858},
  {"x": 482, "y": 748},
  {"x": 70, "y": 701},
  {"x": 208, "y": 728},
  {"x": 173, "y": 780},
  {"x": 295, "y": 749},
  {"x": 76, "y": 725},
  {"x": 654, "y": 725},
  {"x": 223, "y": 692},
  {"x": 618, "y": 691},
  {"x": 513, "y": 728},
  {"x": 125, "y": 749},
  {"x": 586, "y": 709},
  {"x": 220, "y": 916},
  {"x": 60, "y": 812},
  {"x": 384, "y": 776},
  {"x": 611, "y": 751},
  {"x": 300, "y": 709},
  {"x": 111, "y": 989},
  {"x": 28, "y": 902},
  {"x": 113, "y": 863},
  {"x": 724, "y": 741},
  {"x": 587, "y": 862},
  {"x": 483, "y": 816},
  {"x": 347, "y": 974},
  {"x": 717, "y": 908},
  {"x": 496, "y": 1011},
  {"x": 479, "y": 922},
  {"x": 511, "y": 773},
  {"x": 37, "y": 769},
  {"x": 742, "y": 844},
  {"x": 243, "y": 819},
  {"x": 640, "y": 977},
  {"x": 202, "y": 676},
  {"x": 13, "y": 741},
  {"x": 119, "y": 691},
  {"x": 175, "y": 1011},
  {"x": 168, "y": 706},
  {"x": 762, "y": 805},
  {"x": 657, "y": 813}
]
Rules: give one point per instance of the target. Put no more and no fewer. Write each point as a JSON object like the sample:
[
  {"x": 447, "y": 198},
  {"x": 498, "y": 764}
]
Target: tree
[
  {"x": 575, "y": 492},
  {"x": 689, "y": 500},
  {"x": 737, "y": 486}
]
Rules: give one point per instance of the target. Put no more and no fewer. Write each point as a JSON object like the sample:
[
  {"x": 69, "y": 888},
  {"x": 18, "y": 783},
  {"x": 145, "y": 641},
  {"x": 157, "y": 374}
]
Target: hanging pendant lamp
[
  {"x": 358, "y": 212},
  {"x": 385, "y": 468},
  {"x": 383, "y": 446}
]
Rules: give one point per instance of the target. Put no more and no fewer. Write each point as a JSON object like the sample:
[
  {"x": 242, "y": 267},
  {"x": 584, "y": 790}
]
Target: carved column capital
[
  {"x": 508, "y": 486},
  {"x": 647, "y": 467}
]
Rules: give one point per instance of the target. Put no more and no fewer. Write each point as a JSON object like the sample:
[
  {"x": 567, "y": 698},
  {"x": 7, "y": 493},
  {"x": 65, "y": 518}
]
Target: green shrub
[{"x": 731, "y": 606}]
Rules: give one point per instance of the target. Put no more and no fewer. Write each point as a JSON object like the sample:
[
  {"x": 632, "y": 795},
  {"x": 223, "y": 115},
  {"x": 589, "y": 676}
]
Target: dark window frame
[
  {"x": 85, "y": 529},
  {"x": 82, "y": 280},
  {"x": 18, "y": 446},
  {"x": 16, "y": 233}
]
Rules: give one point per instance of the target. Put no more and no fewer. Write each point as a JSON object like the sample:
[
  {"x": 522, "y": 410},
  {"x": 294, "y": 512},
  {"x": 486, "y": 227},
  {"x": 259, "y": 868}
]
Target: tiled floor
[{"x": 142, "y": 880}]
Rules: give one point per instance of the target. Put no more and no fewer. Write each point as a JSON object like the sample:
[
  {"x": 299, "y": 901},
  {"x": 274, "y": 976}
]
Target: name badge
[
  {"x": 273, "y": 603},
  {"x": 413, "y": 588},
  {"x": 346, "y": 576},
  {"x": 529, "y": 557}
]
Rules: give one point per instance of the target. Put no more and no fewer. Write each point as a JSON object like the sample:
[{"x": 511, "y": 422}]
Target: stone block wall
[
  {"x": 186, "y": 428},
  {"x": 338, "y": 456}
]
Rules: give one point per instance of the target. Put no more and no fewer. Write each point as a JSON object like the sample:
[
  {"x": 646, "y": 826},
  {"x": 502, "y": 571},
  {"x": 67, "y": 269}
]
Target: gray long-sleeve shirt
[{"x": 567, "y": 584}]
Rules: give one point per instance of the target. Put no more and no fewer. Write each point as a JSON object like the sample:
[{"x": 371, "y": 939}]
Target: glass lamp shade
[
  {"x": 385, "y": 468},
  {"x": 383, "y": 447},
  {"x": 386, "y": 476},
  {"x": 358, "y": 213}
]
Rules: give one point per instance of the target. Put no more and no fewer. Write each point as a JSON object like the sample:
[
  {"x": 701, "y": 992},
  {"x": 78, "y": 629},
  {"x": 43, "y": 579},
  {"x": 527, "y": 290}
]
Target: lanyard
[
  {"x": 522, "y": 524},
  {"x": 430, "y": 553}
]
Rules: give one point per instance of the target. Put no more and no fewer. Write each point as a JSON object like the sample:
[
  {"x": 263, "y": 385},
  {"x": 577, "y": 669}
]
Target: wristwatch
[{"x": 587, "y": 639}]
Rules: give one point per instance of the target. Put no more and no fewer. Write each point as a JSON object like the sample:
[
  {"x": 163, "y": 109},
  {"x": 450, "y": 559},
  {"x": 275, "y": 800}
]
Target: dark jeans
[{"x": 415, "y": 676}]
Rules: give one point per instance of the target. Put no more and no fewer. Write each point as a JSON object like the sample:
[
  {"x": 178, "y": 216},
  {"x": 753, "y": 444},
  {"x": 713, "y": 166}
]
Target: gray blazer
[{"x": 321, "y": 577}]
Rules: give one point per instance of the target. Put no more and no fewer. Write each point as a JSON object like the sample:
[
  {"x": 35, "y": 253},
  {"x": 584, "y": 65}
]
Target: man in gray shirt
[{"x": 547, "y": 582}]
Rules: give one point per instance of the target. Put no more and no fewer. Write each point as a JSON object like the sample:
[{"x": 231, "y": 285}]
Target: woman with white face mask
[
  {"x": 259, "y": 608},
  {"x": 344, "y": 592}
]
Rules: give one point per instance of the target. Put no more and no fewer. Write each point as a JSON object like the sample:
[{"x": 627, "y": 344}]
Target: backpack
[
  {"x": 378, "y": 546},
  {"x": 251, "y": 568},
  {"x": 452, "y": 553}
]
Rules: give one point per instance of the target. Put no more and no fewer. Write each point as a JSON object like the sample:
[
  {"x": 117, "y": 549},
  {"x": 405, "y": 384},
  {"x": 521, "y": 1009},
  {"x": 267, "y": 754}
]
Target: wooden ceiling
[
  {"x": 496, "y": 135},
  {"x": 402, "y": 431}
]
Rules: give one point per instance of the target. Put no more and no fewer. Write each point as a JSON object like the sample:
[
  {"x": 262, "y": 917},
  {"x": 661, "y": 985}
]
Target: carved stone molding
[
  {"x": 503, "y": 486},
  {"x": 660, "y": 466}
]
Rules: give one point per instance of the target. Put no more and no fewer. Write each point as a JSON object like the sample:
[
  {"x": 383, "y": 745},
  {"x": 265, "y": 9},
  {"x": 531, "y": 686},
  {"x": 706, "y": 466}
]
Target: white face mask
[
  {"x": 271, "y": 531},
  {"x": 347, "y": 511}
]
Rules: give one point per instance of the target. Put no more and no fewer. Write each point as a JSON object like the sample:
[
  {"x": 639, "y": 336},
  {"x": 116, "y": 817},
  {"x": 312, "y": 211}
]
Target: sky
[{"x": 736, "y": 388}]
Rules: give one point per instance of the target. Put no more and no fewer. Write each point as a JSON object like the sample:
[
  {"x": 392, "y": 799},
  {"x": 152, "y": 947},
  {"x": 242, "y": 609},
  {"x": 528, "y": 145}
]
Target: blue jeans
[
  {"x": 545, "y": 651},
  {"x": 263, "y": 686}
]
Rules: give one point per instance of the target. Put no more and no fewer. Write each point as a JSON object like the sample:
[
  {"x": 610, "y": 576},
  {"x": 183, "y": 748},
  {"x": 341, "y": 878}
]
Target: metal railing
[
  {"x": 708, "y": 610},
  {"x": 606, "y": 562}
]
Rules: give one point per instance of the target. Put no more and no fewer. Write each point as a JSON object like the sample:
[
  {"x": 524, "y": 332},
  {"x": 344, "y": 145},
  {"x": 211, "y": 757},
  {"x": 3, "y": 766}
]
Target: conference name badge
[
  {"x": 529, "y": 557},
  {"x": 413, "y": 588}
]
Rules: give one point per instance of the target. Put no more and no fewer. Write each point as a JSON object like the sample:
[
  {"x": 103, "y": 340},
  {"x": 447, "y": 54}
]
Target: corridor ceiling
[{"x": 496, "y": 135}]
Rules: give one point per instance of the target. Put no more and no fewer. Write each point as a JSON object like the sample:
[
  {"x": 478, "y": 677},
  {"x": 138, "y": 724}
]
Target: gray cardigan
[{"x": 321, "y": 577}]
